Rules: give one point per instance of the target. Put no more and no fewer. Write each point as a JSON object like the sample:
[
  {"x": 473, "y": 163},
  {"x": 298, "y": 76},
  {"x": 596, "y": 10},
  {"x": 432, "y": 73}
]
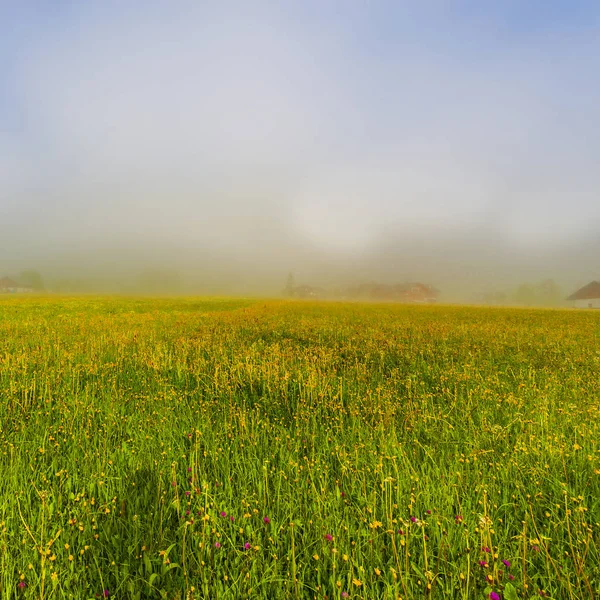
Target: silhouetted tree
[
  {"x": 290, "y": 286},
  {"x": 548, "y": 292},
  {"x": 32, "y": 279}
]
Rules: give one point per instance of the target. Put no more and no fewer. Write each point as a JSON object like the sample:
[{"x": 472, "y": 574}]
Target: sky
[{"x": 452, "y": 142}]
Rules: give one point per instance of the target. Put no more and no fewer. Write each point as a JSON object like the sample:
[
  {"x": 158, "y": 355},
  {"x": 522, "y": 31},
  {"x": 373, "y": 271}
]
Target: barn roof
[
  {"x": 7, "y": 282},
  {"x": 587, "y": 292}
]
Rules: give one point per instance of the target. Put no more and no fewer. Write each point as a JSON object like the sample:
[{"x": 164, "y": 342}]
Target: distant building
[
  {"x": 415, "y": 292},
  {"x": 420, "y": 292},
  {"x": 307, "y": 291},
  {"x": 9, "y": 286},
  {"x": 587, "y": 297}
]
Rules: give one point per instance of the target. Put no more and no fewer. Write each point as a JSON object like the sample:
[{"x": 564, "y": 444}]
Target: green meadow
[{"x": 225, "y": 449}]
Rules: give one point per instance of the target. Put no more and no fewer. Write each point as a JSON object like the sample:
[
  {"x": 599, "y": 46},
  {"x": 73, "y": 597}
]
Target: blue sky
[{"x": 284, "y": 128}]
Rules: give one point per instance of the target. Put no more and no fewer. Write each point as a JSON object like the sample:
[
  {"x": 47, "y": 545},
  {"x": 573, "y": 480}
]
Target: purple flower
[
  {"x": 511, "y": 577},
  {"x": 483, "y": 563},
  {"x": 485, "y": 549},
  {"x": 217, "y": 545},
  {"x": 400, "y": 532},
  {"x": 187, "y": 493},
  {"x": 506, "y": 563},
  {"x": 189, "y": 469},
  {"x": 494, "y": 596},
  {"x": 344, "y": 594},
  {"x": 342, "y": 494},
  {"x": 266, "y": 520},
  {"x": 223, "y": 513},
  {"x": 328, "y": 537},
  {"x": 231, "y": 519},
  {"x": 247, "y": 546},
  {"x": 106, "y": 593},
  {"x": 458, "y": 519},
  {"x": 428, "y": 512},
  {"x": 413, "y": 519},
  {"x": 22, "y": 584}
]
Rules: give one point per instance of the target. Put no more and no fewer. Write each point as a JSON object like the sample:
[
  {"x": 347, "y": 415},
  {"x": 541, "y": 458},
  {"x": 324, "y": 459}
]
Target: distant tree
[
  {"x": 548, "y": 293},
  {"x": 545, "y": 293},
  {"x": 32, "y": 279},
  {"x": 290, "y": 286}
]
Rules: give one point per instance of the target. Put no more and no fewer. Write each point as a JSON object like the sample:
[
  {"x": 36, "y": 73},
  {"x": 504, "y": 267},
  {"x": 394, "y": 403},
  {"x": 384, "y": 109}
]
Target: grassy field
[{"x": 226, "y": 449}]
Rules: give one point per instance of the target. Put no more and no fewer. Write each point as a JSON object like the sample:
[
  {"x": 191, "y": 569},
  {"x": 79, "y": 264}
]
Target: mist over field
[
  {"x": 182, "y": 183},
  {"x": 217, "y": 147}
]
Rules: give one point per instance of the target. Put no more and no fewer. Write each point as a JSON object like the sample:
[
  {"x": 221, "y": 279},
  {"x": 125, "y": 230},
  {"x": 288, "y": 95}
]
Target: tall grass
[{"x": 230, "y": 449}]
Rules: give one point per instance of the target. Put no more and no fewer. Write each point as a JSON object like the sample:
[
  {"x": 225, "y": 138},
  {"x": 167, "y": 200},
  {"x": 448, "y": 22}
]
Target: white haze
[{"x": 235, "y": 142}]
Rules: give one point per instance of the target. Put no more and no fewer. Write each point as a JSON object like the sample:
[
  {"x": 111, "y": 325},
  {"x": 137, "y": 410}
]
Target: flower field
[{"x": 225, "y": 449}]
